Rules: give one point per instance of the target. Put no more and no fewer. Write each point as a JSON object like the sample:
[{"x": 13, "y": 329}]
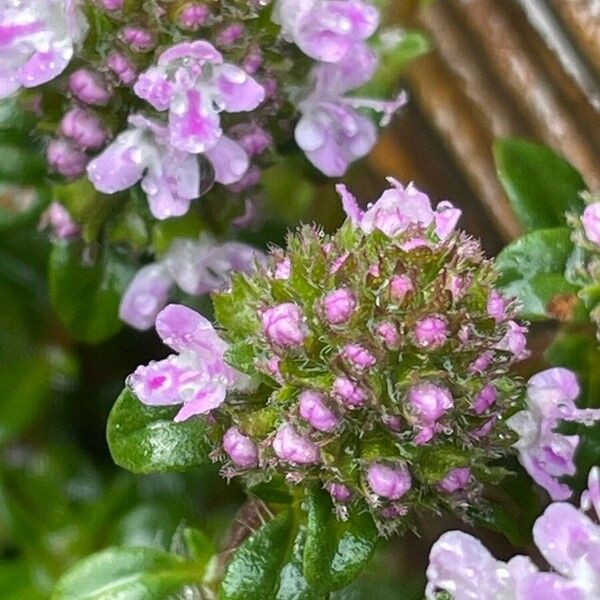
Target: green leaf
[
  {"x": 86, "y": 297},
  {"x": 25, "y": 385},
  {"x": 22, "y": 162},
  {"x": 145, "y": 439},
  {"x": 532, "y": 270},
  {"x": 254, "y": 570},
  {"x": 232, "y": 310},
  {"x": 336, "y": 551},
  {"x": 131, "y": 573},
  {"x": 540, "y": 185},
  {"x": 199, "y": 545}
]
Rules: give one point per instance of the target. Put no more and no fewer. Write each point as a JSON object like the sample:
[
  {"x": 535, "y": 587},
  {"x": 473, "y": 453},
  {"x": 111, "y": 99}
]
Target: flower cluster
[
  {"x": 196, "y": 267},
  {"x": 178, "y": 95},
  {"x": 545, "y": 453},
  {"x": 378, "y": 359},
  {"x": 567, "y": 538}
]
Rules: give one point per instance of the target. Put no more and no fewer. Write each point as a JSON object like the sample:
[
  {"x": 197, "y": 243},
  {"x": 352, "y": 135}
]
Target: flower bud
[
  {"x": 59, "y": 220},
  {"x": 84, "y": 127},
  {"x": 111, "y": 5},
  {"x": 388, "y": 482},
  {"x": 253, "y": 61},
  {"x": 65, "y": 158},
  {"x": 137, "y": 38},
  {"x": 389, "y": 334},
  {"x": 339, "y": 306},
  {"x": 358, "y": 356},
  {"x": 314, "y": 410},
  {"x": 400, "y": 286},
  {"x": 429, "y": 402},
  {"x": 484, "y": 399},
  {"x": 89, "y": 87},
  {"x": 431, "y": 332},
  {"x": 339, "y": 492},
  {"x": 348, "y": 392},
  {"x": 293, "y": 448},
  {"x": 193, "y": 16},
  {"x": 496, "y": 306},
  {"x": 515, "y": 341},
  {"x": 283, "y": 270},
  {"x": 456, "y": 479},
  {"x": 591, "y": 222},
  {"x": 122, "y": 67},
  {"x": 231, "y": 35},
  {"x": 283, "y": 325},
  {"x": 240, "y": 448}
]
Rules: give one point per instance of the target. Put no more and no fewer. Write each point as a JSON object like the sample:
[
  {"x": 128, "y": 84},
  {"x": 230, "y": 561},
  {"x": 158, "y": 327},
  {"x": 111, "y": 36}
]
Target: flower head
[{"x": 348, "y": 395}]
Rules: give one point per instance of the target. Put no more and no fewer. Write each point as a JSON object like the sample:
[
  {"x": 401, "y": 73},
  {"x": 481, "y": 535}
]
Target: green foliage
[
  {"x": 146, "y": 439},
  {"x": 532, "y": 269},
  {"x": 20, "y": 164},
  {"x": 540, "y": 185},
  {"x": 85, "y": 296},
  {"x": 132, "y": 573},
  {"x": 335, "y": 551}
]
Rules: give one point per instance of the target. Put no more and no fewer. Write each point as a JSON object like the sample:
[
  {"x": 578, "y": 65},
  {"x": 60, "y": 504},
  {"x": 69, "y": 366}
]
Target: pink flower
[
  {"x": 331, "y": 131},
  {"x": 195, "y": 85},
  {"x": 89, "y": 87},
  {"x": 429, "y": 402},
  {"x": 240, "y": 448},
  {"x": 138, "y": 39},
  {"x": 293, "y": 448},
  {"x": 197, "y": 377},
  {"x": 456, "y": 479},
  {"x": 145, "y": 296},
  {"x": 544, "y": 453},
  {"x": 590, "y": 498},
  {"x": 231, "y": 35},
  {"x": 515, "y": 341},
  {"x": 339, "y": 306},
  {"x": 170, "y": 177},
  {"x": 399, "y": 208},
  {"x": 37, "y": 38},
  {"x": 315, "y": 411},
  {"x": 591, "y": 222},
  {"x": 389, "y": 482},
  {"x": 431, "y": 332},
  {"x": 326, "y": 30},
  {"x": 283, "y": 325},
  {"x": 358, "y": 356},
  {"x": 349, "y": 392},
  {"x": 568, "y": 540}
]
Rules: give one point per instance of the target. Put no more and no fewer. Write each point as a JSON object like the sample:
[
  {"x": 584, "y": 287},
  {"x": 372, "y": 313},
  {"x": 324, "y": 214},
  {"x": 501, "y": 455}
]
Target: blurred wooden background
[{"x": 527, "y": 68}]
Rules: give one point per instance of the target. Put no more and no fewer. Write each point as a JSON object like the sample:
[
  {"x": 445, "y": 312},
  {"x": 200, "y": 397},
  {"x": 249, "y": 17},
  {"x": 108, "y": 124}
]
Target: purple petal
[
  {"x": 159, "y": 383},
  {"x": 349, "y": 204},
  {"x": 206, "y": 398},
  {"x": 146, "y": 295},
  {"x": 200, "y": 49},
  {"x": 229, "y": 160},
  {"x": 43, "y": 67},
  {"x": 194, "y": 124},
  {"x": 569, "y": 541},
  {"x": 182, "y": 328},
  {"x": 238, "y": 91},
  {"x": 154, "y": 87}
]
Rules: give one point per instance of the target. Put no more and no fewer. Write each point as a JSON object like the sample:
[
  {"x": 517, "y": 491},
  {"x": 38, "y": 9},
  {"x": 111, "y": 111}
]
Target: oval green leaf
[
  {"x": 541, "y": 185},
  {"x": 335, "y": 551},
  {"x": 532, "y": 269},
  {"x": 145, "y": 439},
  {"x": 132, "y": 573}
]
